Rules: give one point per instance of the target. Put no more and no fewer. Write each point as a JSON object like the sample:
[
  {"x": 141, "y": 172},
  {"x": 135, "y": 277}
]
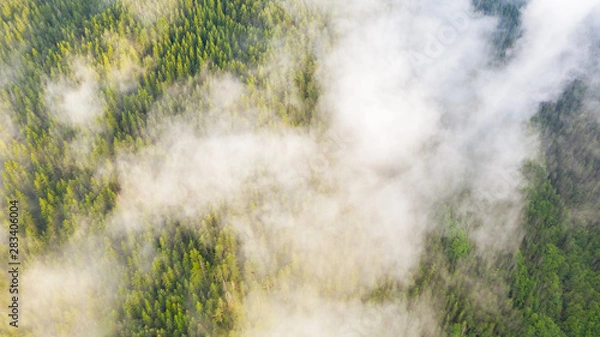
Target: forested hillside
[{"x": 173, "y": 174}]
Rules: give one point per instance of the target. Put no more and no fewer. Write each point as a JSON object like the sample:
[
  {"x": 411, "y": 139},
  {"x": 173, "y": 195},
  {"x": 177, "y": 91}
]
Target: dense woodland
[{"x": 196, "y": 282}]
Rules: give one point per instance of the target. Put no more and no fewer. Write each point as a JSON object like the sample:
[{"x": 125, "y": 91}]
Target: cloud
[
  {"x": 75, "y": 102},
  {"x": 71, "y": 292},
  {"x": 413, "y": 112},
  {"x": 416, "y": 135},
  {"x": 149, "y": 11}
]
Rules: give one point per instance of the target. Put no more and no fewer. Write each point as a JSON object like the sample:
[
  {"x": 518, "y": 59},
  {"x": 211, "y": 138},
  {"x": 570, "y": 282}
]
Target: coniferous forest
[{"x": 300, "y": 168}]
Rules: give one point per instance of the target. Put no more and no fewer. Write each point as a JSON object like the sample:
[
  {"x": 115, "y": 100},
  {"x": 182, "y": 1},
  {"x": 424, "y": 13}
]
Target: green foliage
[
  {"x": 553, "y": 287},
  {"x": 457, "y": 243},
  {"x": 509, "y": 25},
  {"x": 193, "y": 285},
  {"x": 191, "y": 288}
]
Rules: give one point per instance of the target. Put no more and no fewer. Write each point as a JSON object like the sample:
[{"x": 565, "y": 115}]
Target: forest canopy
[{"x": 301, "y": 168}]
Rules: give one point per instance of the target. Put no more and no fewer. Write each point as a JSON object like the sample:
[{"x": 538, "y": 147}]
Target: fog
[{"x": 414, "y": 109}]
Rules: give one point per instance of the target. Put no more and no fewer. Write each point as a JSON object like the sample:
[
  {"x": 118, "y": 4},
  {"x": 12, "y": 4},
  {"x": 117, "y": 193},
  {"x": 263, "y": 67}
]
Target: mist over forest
[{"x": 322, "y": 168}]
